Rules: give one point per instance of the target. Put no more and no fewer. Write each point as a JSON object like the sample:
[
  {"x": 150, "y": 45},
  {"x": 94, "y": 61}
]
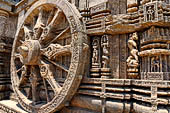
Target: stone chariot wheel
[{"x": 47, "y": 60}]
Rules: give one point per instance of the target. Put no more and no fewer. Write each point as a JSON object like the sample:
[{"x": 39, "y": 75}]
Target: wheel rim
[{"x": 50, "y": 32}]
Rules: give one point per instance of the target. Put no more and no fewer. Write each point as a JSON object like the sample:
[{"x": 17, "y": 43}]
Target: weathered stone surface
[{"x": 85, "y": 56}]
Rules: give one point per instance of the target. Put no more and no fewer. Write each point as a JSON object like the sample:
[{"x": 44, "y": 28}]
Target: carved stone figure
[
  {"x": 155, "y": 64},
  {"x": 150, "y": 13},
  {"x": 76, "y": 56},
  {"x": 132, "y": 44},
  {"x": 132, "y": 60},
  {"x": 95, "y": 58},
  {"x": 105, "y": 56}
]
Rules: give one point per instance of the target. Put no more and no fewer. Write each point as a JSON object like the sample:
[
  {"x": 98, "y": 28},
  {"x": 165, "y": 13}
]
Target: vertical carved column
[
  {"x": 154, "y": 97},
  {"x": 123, "y": 56},
  {"x": 3, "y": 20},
  {"x": 103, "y": 95},
  {"x": 84, "y": 9},
  {"x": 4, "y": 57},
  {"x": 105, "y": 70}
]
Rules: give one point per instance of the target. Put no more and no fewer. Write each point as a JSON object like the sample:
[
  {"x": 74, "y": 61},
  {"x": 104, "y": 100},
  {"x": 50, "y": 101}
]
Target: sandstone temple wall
[{"x": 127, "y": 65}]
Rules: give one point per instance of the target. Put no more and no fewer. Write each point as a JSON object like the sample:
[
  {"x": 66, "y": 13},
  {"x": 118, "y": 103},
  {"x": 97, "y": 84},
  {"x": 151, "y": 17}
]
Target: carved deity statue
[
  {"x": 105, "y": 56},
  {"x": 155, "y": 64},
  {"x": 133, "y": 58},
  {"x": 150, "y": 14},
  {"x": 95, "y": 57}
]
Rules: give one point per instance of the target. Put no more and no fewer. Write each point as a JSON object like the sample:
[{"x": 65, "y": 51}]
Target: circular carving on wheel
[{"x": 47, "y": 60}]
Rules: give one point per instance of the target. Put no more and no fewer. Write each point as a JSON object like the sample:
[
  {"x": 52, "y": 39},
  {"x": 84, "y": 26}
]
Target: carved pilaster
[
  {"x": 154, "y": 97},
  {"x": 4, "y": 57},
  {"x": 84, "y": 9},
  {"x": 3, "y": 20}
]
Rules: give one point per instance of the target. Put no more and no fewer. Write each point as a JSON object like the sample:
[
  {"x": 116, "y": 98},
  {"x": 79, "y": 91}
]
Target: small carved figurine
[
  {"x": 95, "y": 57},
  {"x": 150, "y": 14},
  {"x": 155, "y": 64}
]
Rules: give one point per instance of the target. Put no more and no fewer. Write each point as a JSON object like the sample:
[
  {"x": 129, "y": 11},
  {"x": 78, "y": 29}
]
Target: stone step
[{"x": 9, "y": 106}]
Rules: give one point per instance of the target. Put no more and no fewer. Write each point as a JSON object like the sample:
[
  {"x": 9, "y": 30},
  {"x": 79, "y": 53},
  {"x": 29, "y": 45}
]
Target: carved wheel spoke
[
  {"x": 65, "y": 33},
  {"x": 58, "y": 65},
  {"x": 55, "y": 86},
  {"x": 51, "y": 25},
  {"x": 47, "y": 49}
]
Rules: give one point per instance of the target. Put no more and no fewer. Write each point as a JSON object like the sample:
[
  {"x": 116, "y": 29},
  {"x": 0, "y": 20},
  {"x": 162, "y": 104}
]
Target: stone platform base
[{"x": 9, "y": 106}]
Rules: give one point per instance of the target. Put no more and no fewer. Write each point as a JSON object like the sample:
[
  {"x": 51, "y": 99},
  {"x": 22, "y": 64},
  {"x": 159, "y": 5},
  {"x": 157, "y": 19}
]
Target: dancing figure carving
[{"x": 105, "y": 56}]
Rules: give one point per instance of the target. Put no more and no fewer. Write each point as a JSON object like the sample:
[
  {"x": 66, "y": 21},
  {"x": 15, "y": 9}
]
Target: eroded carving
[
  {"x": 95, "y": 58},
  {"x": 155, "y": 64},
  {"x": 133, "y": 61},
  {"x": 49, "y": 56},
  {"x": 105, "y": 56}
]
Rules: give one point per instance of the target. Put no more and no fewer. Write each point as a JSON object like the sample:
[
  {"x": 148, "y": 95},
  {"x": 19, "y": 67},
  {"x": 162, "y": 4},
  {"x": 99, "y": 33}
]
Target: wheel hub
[{"x": 30, "y": 52}]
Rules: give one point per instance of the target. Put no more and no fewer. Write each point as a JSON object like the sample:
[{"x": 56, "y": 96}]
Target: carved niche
[
  {"x": 100, "y": 56},
  {"x": 96, "y": 57},
  {"x": 155, "y": 54},
  {"x": 152, "y": 11}
]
